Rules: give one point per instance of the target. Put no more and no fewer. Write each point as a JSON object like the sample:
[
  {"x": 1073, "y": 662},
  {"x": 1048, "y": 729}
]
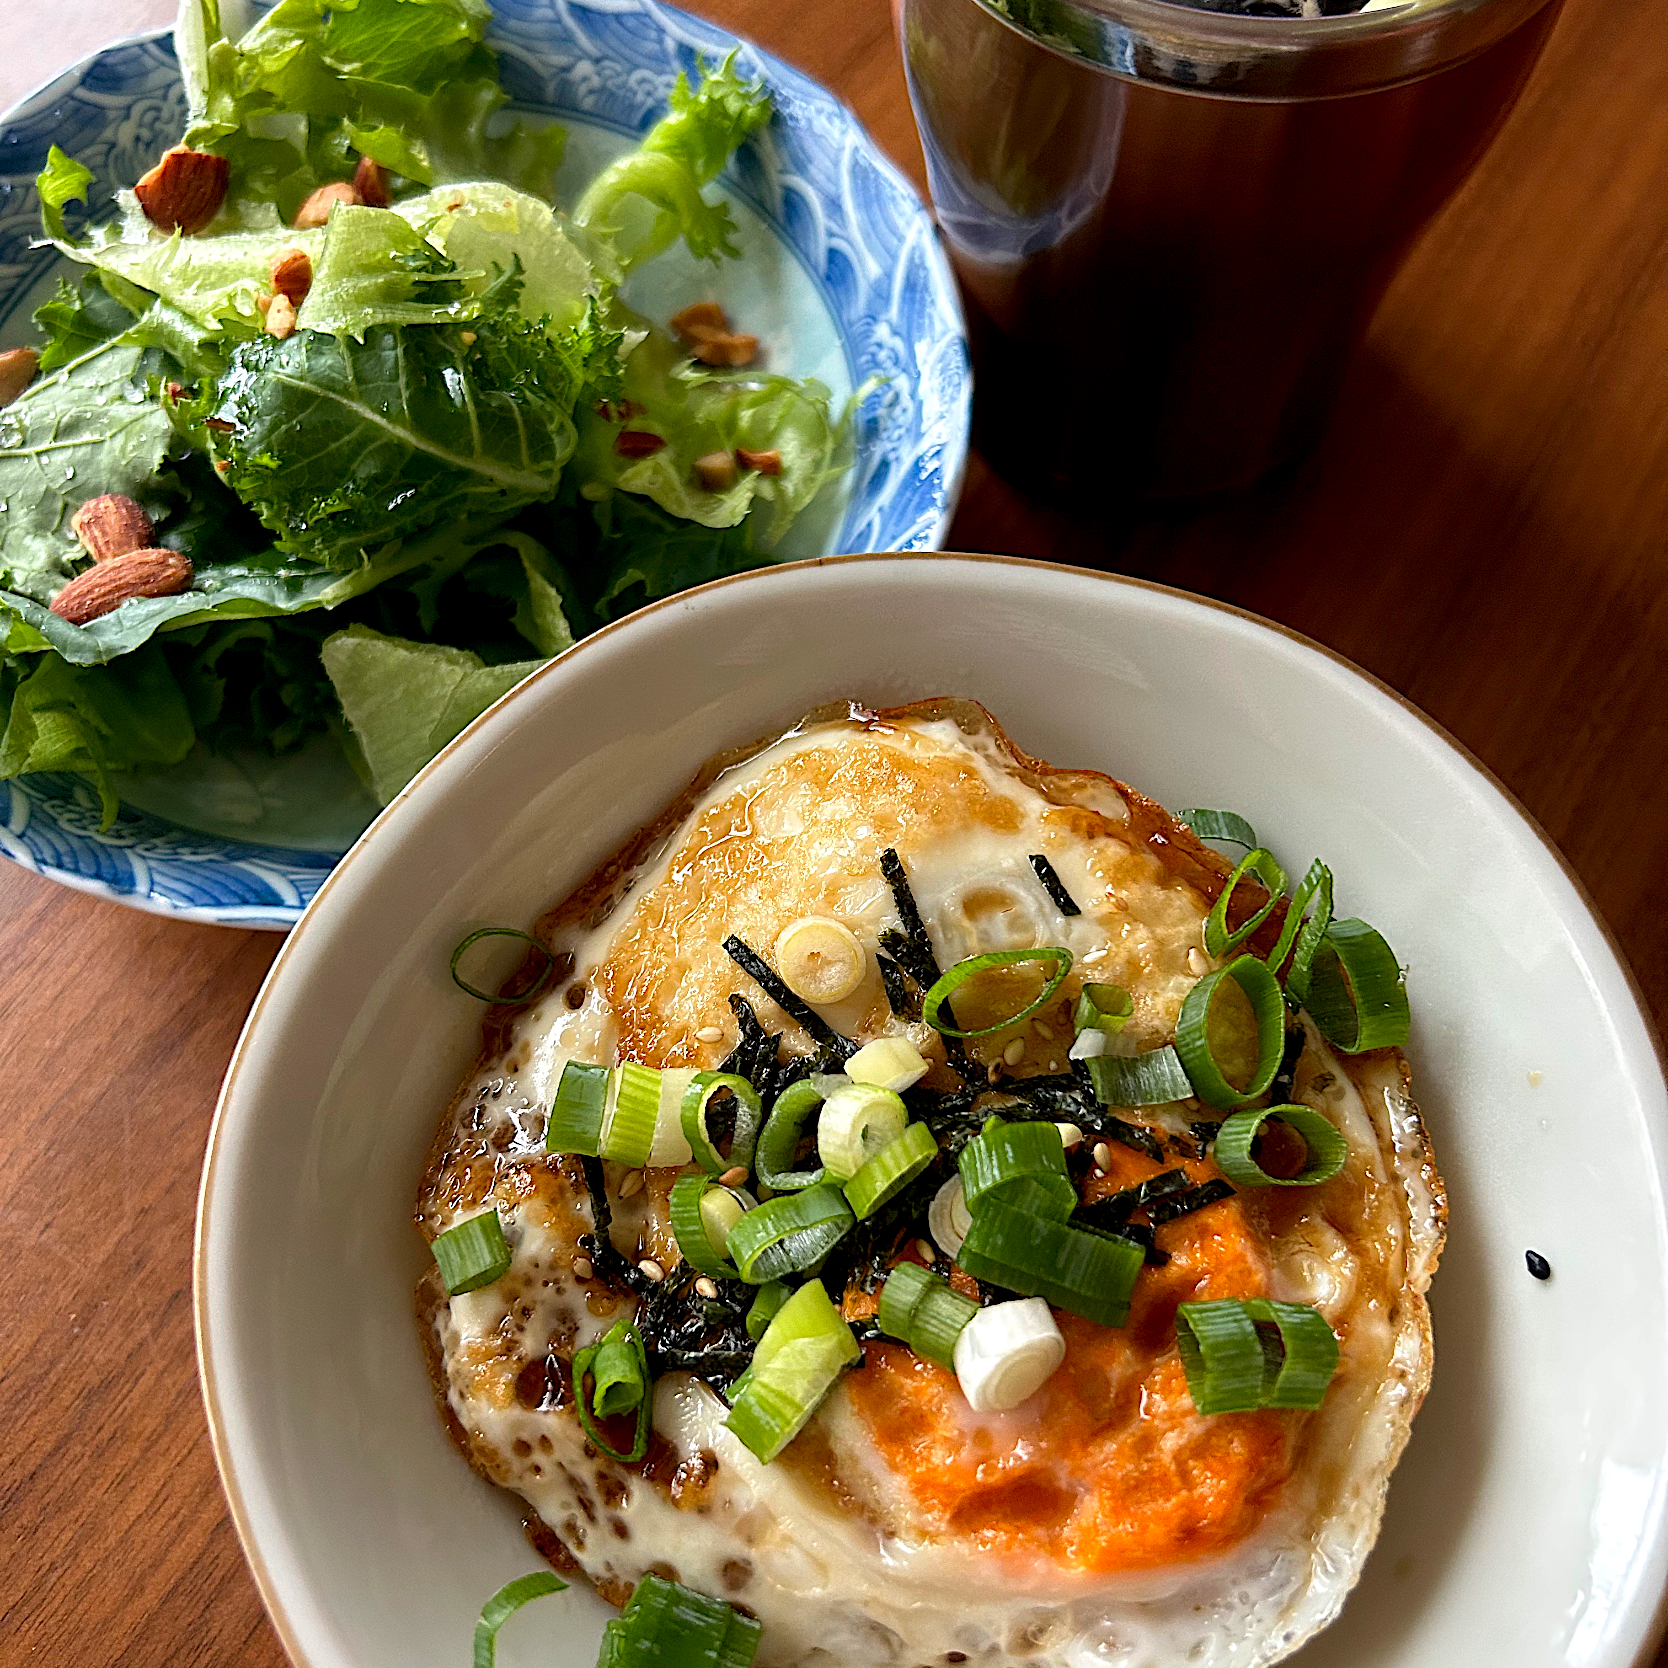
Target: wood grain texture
[{"x": 1485, "y": 526}]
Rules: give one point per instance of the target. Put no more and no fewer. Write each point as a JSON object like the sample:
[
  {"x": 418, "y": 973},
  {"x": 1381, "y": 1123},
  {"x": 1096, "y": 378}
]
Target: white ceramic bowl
[{"x": 1526, "y": 1524}]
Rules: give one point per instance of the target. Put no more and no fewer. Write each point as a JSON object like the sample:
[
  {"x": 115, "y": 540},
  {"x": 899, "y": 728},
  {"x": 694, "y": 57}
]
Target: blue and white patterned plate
[{"x": 842, "y": 278}]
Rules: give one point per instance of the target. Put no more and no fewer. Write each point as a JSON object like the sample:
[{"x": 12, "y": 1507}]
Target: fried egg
[{"x": 1103, "y": 1523}]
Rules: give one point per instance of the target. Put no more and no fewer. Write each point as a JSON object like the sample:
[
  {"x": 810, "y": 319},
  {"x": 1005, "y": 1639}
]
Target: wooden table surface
[{"x": 1485, "y": 527}]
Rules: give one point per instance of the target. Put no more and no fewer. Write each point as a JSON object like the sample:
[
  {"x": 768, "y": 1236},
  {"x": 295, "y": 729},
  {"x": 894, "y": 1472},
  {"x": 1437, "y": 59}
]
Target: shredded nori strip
[
  {"x": 1135, "y": 1136},
  {"x": 754, "y": 1055},
  {"x": 686, "y": 1332},
  {"x": 1142, "y": 1234},
  {"x": 912, "y": 952},
  {"x": 1204, "y": 1131},
  {"x": 610, "y": 1266},
  {"x": 915, "y": 929},
  {"x": 1114, "y": 1211},
  {"x": 1053, "y": 885},
  {"x": 1184, "y": 1204},
  {"x": 898, "y": 998},
  {"x": 763, "y": 975},
  {"x": 1280, "y": 1090}
]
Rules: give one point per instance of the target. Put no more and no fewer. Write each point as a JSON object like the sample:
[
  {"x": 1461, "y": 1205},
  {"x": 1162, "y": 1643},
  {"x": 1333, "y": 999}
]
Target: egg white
[{"x": 825, "y": 1546}]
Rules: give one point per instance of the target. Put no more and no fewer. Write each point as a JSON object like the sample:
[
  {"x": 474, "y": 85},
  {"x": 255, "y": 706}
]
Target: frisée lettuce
[{"x": 405, "y": 481}]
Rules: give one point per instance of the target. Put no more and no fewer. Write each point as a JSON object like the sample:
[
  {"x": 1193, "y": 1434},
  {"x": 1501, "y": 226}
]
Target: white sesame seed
[
  {"x": 1103, "y": 1155},
  {"x": 924, "y": 1250},
  {"x": 706, "y": 1287},
  {"x": 1014, "y": 1052},
  {"x": 582, "y": 1268},
  {"x": 631, "y": 1183},
  {"x": 709, "y": 1033},
  {"x": 1046, "y": 1032},
  {"x": 1196, "y": 963},
  {"x": 733, "y": 1177},
  {"x": 650, "y": 1269}
]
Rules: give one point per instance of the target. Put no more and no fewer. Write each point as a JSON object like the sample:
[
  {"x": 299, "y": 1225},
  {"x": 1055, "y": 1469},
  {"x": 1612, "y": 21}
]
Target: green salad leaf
[
  {"x": 315, "y": 84},
  {"x": 85, "y": 429},
  {"x": 75, "y": 321},
  {"x": 404, "y": 701},
  {"x": 699, "y": 412},
  {"x": 63, "y": 181},
  {"x": 341, "y": 447},
  {"x": 94, "y": 720},
  {"x": 649, "y": 198},
  {"x": 397, "y": 510}
]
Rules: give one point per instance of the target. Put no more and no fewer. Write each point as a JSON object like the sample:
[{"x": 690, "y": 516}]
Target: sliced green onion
[
  {"x": 527, "y": 995},
  {"x": 770, "y": 1297},
  {"x": 669, "y": 1149},
  {"x": 1075, "y": 1267},
  {"x": 905, "y": 1286},
  {"x": 803, "y": 1351},
  {"x": 749, "y": 1109},
  {"x": 780, "y": 1137},
  {"x": 1307, "y": 1351},
  {"x": 473, "y": 1254},
  {"x": 1301, "y": 935},
  {"x": 919, "y": 1308},
  {"x": 1102, "y": 1008},
  {"x": 937, "y": 1324},
  {"x": 891, "y": 1170},
  {"x": 622, "y": 1340},
  {"x": 1004, "y": 1155},
  {"x": 1007, "y": 1352},
  {"x": 1151, "y": 1079},
  {"x": 503, "y": 1604},
  {"x": 1356, "y": 994},
  {"x": 619, "y": 1373},
  {"x": 692, "y": 1229},
  {"x": 665, "y": 1625},
  {"x": 790, "y": 1233},
  {"x": 1241, "y": 1354},
  {"x": 888, "y": 1063},
  {"x": 1219, "y": 939},
  {"x": 1327, "y": 1149},
  {"x": 1268, "y": 1010},
  {"x": 948, "y": 1215},
  {"x": 958, "y": 975},
  {"x": 575, "y": 1121},
  {"x": 856, "y": 1122},
  {"x": 628, "y": 1124},
  {"x": 1220, "y": 825},
  {"x": 1221, "y": 1355}
]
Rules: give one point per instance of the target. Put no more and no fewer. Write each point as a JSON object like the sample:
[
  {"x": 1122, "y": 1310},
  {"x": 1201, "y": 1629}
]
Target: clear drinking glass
[{"x": 1171, "y": 225}]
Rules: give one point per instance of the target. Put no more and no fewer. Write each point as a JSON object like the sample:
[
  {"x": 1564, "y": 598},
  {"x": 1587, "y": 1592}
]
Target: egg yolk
[{"x": 1108, "y": 1467}]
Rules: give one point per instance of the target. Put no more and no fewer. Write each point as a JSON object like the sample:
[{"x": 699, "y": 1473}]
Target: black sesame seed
[{"x": 1538, "y": 1265}]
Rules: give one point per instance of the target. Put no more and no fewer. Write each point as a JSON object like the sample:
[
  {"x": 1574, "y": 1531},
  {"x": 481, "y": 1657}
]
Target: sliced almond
[
  {"x": 292, "y": 274},
  {"x": 112, "y": 525},
  {"x": 637, "y": 443},
  {"x": 280, "y": 318},
  {"x": 184, "y": 191},
  {"x": 104, "y": 588},
  {"x": 316, "y": 210},
  {"x": 370, "y": 180},
  {"x": 18, "y": 368},
  {"x": 716, "y": 471},
  {"x": 767, "y": 463}
]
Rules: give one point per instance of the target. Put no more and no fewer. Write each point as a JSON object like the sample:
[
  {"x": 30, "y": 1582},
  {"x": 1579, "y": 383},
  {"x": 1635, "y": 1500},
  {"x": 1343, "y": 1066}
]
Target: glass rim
[{"x": 1211, "y": 54}]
